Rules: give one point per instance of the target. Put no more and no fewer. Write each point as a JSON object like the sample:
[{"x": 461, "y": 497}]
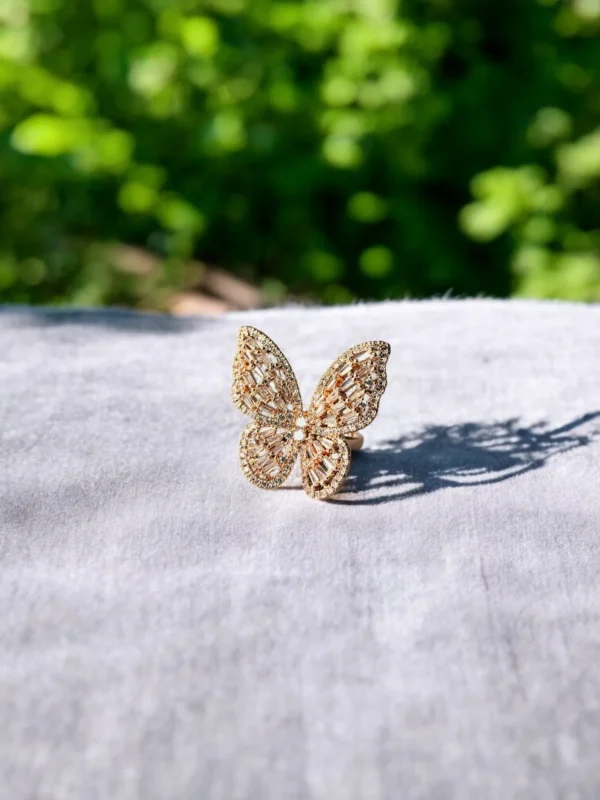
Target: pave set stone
[{"x": 346, "y": 400}]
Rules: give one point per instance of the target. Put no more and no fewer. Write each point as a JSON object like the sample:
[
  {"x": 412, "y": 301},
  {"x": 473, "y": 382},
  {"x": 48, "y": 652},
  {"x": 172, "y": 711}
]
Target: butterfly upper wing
[
  {"x": 267, "y": 454},
  {"x": 264, "y": 386},
  {"x": 347, "y": 396}
]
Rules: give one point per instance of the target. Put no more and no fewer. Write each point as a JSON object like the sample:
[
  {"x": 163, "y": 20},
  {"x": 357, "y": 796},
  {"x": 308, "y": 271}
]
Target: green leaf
[
  {"x": 376, "y": 262},
  {"x": 200, "y": 36},
  {"x": 367, "y": 207},
  {"x": 179, "y": 215},
  {"x": 45, "y": 135}
]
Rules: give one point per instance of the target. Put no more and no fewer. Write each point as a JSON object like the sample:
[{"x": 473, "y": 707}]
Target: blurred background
[{"x": 199, "y": 155}]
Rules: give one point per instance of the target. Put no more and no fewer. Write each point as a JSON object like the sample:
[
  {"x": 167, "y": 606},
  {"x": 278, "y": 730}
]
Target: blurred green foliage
[{"x": 333, "y": 148}]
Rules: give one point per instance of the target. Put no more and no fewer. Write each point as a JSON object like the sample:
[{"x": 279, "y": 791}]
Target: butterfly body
[{"x": 346, "y": 400}]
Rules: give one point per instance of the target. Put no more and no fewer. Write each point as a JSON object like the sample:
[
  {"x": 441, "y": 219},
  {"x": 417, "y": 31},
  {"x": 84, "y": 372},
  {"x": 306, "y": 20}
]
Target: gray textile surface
[{"x": 168, "y": 632}]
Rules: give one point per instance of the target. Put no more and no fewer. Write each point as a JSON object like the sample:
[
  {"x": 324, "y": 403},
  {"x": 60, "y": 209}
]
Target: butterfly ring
[{"x": 345, "y": 401}]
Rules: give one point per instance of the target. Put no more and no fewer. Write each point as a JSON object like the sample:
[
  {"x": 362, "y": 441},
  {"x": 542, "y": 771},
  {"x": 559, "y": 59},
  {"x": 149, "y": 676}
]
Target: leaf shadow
[{"x": 454, "y": 456}]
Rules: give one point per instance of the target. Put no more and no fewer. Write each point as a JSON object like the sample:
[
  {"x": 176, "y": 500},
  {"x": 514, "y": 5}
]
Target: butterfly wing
[
  {"x": 324, "y": 461},
  {"x": 267, "y": 454},
  {"x": 264, "y": 386},
  {"x": 347, "y": 396},
  {"x": 345, "y": 400}
]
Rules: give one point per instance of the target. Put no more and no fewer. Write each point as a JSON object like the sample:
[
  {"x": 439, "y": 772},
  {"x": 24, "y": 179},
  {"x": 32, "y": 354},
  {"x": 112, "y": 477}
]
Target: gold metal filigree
[{"x": 345, "y": 401}]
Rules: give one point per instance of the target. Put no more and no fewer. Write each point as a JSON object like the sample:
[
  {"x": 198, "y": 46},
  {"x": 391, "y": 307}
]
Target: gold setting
[{"x": 345, "y": 401}]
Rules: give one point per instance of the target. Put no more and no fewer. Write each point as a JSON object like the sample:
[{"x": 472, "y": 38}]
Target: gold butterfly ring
[{"x": 345, "y": 401}]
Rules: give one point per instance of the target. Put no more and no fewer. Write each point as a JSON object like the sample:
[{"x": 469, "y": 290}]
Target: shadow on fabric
[
  {"x": 470, "y": 454},
  {"x": 115, "y": 318}
]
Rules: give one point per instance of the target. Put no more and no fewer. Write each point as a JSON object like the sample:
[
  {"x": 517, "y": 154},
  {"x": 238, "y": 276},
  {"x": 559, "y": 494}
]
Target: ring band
[{"x": 355, "y": 440}]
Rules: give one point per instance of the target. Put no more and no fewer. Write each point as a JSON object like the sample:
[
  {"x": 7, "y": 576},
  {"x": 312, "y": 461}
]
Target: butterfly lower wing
[
  {"x": 267, "y": 454},
  {"x": 324, "y": 461},
  {"x": 264, "y": 386},
  {"x": 347, "y": 396}
]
